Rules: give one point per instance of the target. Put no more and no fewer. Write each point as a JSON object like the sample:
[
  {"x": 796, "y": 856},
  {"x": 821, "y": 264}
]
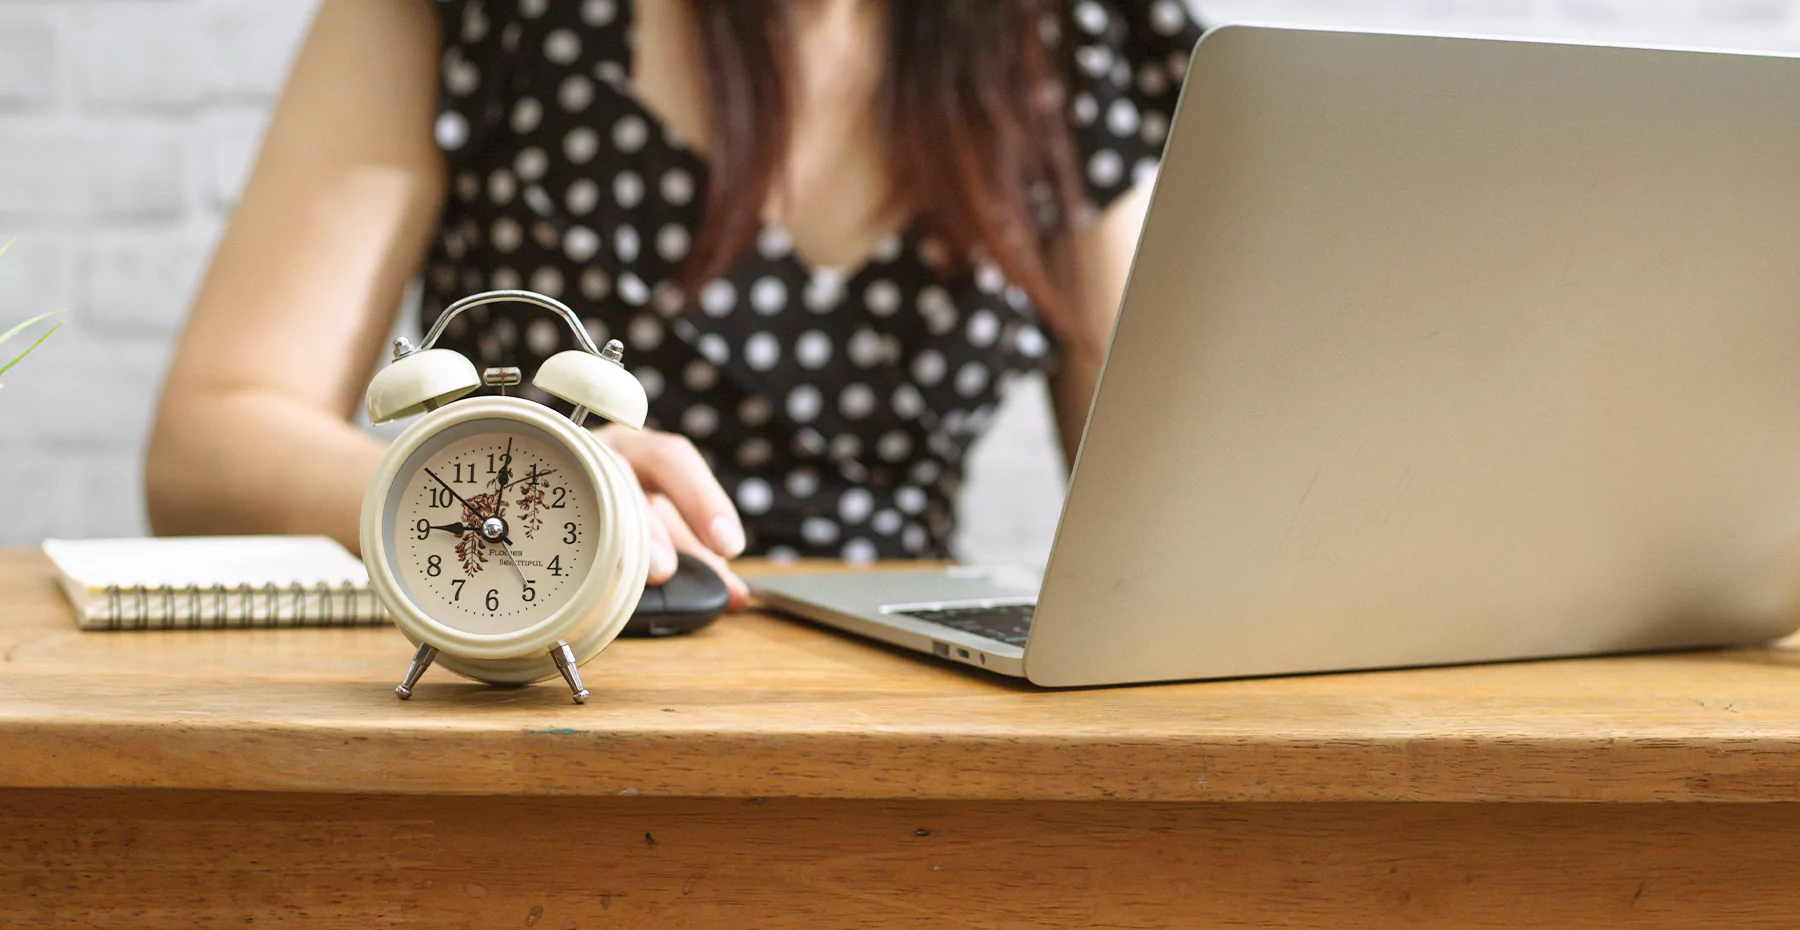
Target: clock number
[
  {"x": 530, "y": 594},
  {"x": 441, "y": 497},
  {"x": 457, "y": 583},
  {"x": 434, "y": 566},
  {"x": 491, "y": 468},
  {"x": 557, "y": 502},
  {"x": 555, "y": 566},
  {"x": 459, "y": 479},
  {"x": 493, "y": 599},
  {"x": 573, "y": 534},
  {"x": 424, "y": 528}
]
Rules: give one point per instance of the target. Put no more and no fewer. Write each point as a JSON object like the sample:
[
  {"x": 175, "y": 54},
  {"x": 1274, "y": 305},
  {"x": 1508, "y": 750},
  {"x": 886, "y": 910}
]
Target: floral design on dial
[
  {"x": 531, "y": 507},
  {"x": 491, "y": 531},
  {"x": 469, "y": 550}
]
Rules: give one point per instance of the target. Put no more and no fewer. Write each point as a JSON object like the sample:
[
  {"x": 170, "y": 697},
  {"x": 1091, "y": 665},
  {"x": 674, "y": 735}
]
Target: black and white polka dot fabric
[{"x": 835, "y": 404}]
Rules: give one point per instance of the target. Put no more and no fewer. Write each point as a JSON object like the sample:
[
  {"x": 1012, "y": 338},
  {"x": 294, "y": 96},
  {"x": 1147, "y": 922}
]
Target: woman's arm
[
  {"x": 1096, "y": 261},
  {"x": 254, "y": 433}
]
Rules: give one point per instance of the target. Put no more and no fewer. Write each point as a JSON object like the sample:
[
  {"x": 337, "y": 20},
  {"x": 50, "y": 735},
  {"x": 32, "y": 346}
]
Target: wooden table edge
[{"x": 574, "y": 762}]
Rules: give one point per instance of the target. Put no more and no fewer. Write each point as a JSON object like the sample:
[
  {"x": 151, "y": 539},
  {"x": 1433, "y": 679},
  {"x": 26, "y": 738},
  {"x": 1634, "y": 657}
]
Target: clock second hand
[{"x": 515, "y": 562}]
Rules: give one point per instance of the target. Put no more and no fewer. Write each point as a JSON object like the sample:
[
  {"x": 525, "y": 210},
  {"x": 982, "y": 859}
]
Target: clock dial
[{"x": 493, "y": 527}]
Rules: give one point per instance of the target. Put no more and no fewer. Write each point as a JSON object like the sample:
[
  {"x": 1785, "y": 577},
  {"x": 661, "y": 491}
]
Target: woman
[{"x": 829, "y": 232}]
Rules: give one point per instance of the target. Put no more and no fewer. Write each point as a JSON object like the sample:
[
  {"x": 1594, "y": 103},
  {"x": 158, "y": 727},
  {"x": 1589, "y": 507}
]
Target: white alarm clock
[{"x": 505, "y": 540}]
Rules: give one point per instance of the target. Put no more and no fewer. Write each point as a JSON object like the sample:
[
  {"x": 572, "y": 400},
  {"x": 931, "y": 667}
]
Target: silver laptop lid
[{"x": 1444, "y": 350}]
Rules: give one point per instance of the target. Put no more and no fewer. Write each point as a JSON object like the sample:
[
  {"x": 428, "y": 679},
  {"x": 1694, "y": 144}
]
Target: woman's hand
[{"x": 691, "y": 510}]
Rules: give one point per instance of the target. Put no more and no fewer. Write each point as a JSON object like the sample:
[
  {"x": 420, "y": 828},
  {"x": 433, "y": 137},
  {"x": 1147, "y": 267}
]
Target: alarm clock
[{"x": 506, "y": 541}]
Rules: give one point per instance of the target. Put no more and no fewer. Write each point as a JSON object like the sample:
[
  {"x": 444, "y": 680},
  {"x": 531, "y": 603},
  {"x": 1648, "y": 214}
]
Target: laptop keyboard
[{"x": 1008, "y": 623}]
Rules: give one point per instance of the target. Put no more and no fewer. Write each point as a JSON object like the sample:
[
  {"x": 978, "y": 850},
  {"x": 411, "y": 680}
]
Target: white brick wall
[
  {"x": 125, "y": 131},
  {"x": 126, "y": 127}
]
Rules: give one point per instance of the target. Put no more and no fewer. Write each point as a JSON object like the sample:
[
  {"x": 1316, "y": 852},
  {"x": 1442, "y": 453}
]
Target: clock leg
[
  {"x": 564, "y": 657},
  {"x": 421, "y": 661}
]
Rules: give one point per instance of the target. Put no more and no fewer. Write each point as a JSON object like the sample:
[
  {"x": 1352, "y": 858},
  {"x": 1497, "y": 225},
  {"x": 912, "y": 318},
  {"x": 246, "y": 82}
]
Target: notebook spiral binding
[{"x": 128, "y": 607}]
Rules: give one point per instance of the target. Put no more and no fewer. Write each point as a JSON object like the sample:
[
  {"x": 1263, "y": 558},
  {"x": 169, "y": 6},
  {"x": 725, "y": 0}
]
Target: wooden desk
[{"x": 768, "y": 774}]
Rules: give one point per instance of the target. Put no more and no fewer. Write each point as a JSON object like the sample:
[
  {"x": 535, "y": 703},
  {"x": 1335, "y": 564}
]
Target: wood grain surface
[
  {"x": 199, "y": 860},
  {"x": 764, "y": 707}
]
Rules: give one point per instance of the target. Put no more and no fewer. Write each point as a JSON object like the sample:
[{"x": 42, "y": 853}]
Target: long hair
[{"x": 971, "y": 108}]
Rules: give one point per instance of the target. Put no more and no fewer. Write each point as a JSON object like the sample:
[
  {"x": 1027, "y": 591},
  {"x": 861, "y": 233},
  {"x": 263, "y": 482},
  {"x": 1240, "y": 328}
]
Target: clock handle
[
  {"x": 582, "y": 339},
  {"x": 591, "y": 378}
]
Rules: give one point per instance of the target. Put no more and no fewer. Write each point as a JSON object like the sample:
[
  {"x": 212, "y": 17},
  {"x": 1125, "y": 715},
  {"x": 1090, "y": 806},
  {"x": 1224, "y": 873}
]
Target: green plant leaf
[
  {"x": 28, "y": 324},
  {"x": 24, "y": 326},
  {"x": 21, "y": 356}
]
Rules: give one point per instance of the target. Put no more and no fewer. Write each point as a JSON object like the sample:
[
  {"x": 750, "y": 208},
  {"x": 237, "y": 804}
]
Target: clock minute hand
[{"x": 453, "y": 493}]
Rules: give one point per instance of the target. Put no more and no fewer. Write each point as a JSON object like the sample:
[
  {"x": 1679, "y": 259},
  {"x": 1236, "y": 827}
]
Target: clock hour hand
[{"x": 453, "y": 528}]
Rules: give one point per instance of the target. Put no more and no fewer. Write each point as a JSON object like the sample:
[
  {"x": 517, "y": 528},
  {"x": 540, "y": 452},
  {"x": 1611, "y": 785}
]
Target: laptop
[{"x": 1435, "y": 350}]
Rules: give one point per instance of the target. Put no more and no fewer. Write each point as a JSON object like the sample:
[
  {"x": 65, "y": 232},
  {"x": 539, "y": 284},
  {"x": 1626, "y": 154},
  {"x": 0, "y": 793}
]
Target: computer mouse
[{"x": 690, "y": 600}]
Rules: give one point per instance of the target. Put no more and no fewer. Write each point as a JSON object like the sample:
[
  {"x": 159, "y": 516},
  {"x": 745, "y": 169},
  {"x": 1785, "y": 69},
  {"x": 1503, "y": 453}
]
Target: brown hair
[{"x": 970, "y": 103}]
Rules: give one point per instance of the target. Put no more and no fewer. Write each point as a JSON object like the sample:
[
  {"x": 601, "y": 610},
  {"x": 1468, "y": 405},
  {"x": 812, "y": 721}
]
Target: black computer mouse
[{"x": 690, "y": 600}]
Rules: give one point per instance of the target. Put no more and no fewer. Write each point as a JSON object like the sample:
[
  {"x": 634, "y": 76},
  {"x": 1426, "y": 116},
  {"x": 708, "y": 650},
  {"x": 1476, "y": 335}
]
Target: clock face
[{"x": 491, "y": 526}]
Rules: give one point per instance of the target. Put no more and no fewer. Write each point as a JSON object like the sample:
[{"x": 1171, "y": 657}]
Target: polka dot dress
[{"x": 835, "y": 405}]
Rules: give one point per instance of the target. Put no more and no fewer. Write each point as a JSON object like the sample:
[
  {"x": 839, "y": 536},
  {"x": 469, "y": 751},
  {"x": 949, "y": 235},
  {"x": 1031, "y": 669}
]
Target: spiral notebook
[{"x": 205, "y": 582}]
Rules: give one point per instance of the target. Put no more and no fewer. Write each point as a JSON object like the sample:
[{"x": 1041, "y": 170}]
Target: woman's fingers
[
  {"x": 683, "y": 494},
  {"x": 662, "y": 550},
  {"x": 669, "y": 464},
  {"x": 683, "y": 537}
]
